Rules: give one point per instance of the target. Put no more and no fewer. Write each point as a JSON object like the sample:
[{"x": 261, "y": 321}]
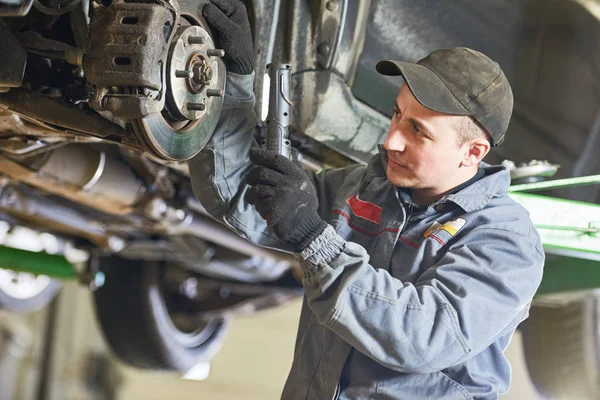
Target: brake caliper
[{"x": 127, "y": 50}]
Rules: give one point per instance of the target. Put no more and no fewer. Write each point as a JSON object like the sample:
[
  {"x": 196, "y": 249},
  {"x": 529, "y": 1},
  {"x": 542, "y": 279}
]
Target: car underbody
[{"x": 103, "y": 102}]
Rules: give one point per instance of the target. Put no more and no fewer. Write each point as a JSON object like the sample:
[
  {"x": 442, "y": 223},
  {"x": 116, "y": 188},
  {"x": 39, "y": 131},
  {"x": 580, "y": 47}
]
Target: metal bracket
[
  {"x": 126, "y": 55},
  {"x": 329, "y": 30},
  {"x": 14, "y": 58},
  {"x": 127, "y": 45}
]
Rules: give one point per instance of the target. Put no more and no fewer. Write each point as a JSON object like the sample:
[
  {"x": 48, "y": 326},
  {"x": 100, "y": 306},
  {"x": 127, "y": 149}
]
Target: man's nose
[{"x": 395, "y": 140}]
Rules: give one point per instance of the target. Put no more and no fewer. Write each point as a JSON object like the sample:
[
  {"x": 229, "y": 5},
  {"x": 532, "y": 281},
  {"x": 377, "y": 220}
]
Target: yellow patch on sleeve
[
  {"x": 453, "y": 227},
  {"x": 434, "y": 227}
]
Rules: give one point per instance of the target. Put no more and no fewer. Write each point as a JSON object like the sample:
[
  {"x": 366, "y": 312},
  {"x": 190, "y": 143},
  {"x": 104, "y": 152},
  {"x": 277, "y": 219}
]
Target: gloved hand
[
  {"x": 285, "y": 197},
  {"x": 228, "y": 21}
]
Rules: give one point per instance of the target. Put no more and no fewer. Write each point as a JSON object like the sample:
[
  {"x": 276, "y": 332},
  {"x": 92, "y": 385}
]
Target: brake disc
[{"x": 195, "y": 83}]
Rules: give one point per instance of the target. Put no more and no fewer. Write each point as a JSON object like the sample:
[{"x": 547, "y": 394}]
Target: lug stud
[
  {"x": 195, "y": 40},
  {"x": 215, "y": 53},
  {"x": 214, "y": 93},
  {"x": 182, "y": 73},
  {"x": 196, "y": 106}
]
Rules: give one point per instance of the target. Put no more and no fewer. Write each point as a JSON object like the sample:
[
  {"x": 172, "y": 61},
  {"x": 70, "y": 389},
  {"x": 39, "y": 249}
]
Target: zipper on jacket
[{"x": 336, "y": 395}]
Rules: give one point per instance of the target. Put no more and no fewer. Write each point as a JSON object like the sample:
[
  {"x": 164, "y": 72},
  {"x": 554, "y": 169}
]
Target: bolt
[
  {"x": 195, "y": 40},
  {"x": 215, "y": 53},
  {"x": 224, "y": 292},
  {"x": 11, "y": 199},
  {"x": 332, "y": 5},
  {"x": 202, "y": 74},
  {"x": 182, "y": 73},
  {"x": 189, "y": 288},
  {"x": 78, "y": 72},
  {"x": 180, "y": 215},
  {"x": 98, "y": 281},
  {"x": 214, "y": 93},
  {"x": 116, "y": 244},
  {"x": 208, "y": 74},
  {"x": 197, "y": 71},
  {"x": 323, "y": 49},
  {"x": 156, "y": 208},
  {"x": 196, "y": 106}
]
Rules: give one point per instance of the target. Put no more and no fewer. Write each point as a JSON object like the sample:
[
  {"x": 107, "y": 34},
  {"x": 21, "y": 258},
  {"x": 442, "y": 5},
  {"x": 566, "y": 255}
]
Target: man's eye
[
  {"x": 416, "y": 128},
  {"x": 396, "y": 112}
]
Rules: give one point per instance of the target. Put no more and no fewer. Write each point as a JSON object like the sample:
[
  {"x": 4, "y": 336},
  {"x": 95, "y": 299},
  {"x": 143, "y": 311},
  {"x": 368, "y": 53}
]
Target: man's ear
[{"x": 475, "y": 150}]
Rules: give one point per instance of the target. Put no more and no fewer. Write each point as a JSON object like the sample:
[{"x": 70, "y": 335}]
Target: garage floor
[{"x": 252, "y": 364}]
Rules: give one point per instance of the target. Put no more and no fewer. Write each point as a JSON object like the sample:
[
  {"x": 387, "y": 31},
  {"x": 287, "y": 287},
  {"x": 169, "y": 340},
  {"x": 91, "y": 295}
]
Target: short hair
[{"x": 468, "y": 129}]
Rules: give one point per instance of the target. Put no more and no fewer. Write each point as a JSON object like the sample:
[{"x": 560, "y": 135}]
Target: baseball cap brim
[{"x": 425, "y": 85}]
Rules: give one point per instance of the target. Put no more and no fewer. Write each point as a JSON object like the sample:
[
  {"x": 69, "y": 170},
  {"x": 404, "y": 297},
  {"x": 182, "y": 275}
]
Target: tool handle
[{"x": 280, "y": 110}]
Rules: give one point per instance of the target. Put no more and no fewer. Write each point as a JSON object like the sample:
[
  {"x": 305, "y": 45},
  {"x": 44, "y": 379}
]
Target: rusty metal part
[
  {"x": 192, "y": 223},
  {"x": 14, "y": 58},
  {"x": 35, "y": 105},
  {"x": 155, "y": 175},
  {"x": 127, "y": 45},
  {"x": 26, "y": 148},
  {"x": 12, "y": 124},
  {"x": 202, "y": 73},
  {"x": 190, "y": 71},
  {"x": 65, "y": 120},
  {"x": 179, "y": 133},
  {"x": 50, "y": 184},
  {"x": 126, "y": 106},
  {"x": 35, "y": 44},
  {"x": 20, "y": 137},
  {"x": 41, "y": 211},
  {"x": 91, "y": 172}
]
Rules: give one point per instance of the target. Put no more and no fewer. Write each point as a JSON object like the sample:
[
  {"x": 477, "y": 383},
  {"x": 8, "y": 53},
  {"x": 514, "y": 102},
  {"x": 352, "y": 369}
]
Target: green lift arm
[
  {"x": 54, "y": 266},
  {"x": 570, "y": 232}
]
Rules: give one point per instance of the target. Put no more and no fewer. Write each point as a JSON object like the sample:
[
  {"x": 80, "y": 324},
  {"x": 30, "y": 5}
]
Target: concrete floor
[
  {"x": 255, "y": 359},
  {"x": 252, "y": 365}
]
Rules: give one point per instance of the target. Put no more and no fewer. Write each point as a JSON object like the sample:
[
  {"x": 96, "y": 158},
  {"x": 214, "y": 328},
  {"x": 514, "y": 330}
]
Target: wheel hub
[{"x": 192, "y": 61}]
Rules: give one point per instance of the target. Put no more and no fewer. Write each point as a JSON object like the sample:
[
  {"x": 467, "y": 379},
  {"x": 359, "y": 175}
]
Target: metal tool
[{"x": 280, "y": 110}]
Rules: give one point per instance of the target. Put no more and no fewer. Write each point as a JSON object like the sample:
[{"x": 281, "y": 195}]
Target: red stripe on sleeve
[{"x": 364, "y": 209}]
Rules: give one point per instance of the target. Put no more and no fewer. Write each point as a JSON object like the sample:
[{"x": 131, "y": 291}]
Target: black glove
[
  {"x": 285, "y": 197},
  {"x": 228, "y": 21}
]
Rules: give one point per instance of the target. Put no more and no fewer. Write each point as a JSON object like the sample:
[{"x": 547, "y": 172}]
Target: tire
[
  {"x": 23, "y": 293},
  {"x": 562, "y": 349},
  {"x": 132, "y": 309}
]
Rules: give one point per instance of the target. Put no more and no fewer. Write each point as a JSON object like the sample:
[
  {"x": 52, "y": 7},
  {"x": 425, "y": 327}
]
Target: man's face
[{"x": 422, "y": 146}]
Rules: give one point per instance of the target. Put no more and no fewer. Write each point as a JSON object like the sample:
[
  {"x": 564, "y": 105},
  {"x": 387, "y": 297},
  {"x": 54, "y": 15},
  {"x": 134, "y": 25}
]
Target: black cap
[{"x": 459, "y": 81}]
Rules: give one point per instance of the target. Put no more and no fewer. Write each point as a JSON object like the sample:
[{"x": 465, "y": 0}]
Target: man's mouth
[{"x": 395, "y": 165}]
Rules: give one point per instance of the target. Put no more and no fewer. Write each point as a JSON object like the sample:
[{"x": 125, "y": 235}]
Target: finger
[
  {"x": 296, "y": 158},
  {"x": 272, "y": 160},
  {"x": 215, "y": 18},
  {"x": 229, "y": 7},
  {"x": 258, "y": 194},
  {"x": 264, "y": 176}
]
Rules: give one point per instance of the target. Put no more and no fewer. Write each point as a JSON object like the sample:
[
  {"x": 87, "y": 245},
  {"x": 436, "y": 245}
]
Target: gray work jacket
[{"x": 398, "y": 304}]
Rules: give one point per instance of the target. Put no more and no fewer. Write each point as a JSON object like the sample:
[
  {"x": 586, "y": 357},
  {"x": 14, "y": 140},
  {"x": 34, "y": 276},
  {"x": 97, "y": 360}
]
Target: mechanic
[{"x": 418, "y": 267}]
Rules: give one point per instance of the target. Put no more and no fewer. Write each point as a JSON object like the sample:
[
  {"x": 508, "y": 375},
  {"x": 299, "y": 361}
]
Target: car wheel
[
  {"x": 141, "y": 322},
  {"x": 562, "y": 348},
  {"x": 23, "y": 292}
]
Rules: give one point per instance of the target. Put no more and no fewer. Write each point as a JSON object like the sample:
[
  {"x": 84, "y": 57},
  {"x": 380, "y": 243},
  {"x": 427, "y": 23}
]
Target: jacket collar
[{"x": 474, "y": 197}]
